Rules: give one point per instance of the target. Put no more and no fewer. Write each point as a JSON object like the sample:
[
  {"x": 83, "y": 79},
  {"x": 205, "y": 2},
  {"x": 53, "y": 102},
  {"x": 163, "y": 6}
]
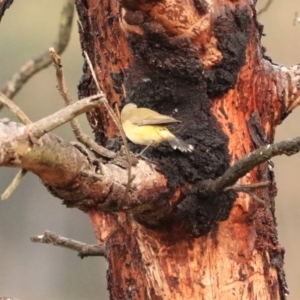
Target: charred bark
[{"x": 202, "y": 63}]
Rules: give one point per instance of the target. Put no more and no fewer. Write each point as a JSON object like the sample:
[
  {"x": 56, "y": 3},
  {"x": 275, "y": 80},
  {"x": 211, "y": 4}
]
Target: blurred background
[{"x": 31, "y": 271}]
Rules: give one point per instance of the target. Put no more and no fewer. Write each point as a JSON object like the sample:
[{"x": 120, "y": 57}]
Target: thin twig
[
  {"x": 83, "y": 249},
  {"x": 14, "y": 109},
  {"x": 61, "y": 84},
  {"x": 265, "y": 8},
  {"x": 26, "y": 121},
  {"x": 118, "y": 124},
  {"x": 42, "y": 61},
  {"x": 39, "y": 128},
  {"x": 63, "y": 90},
  {"x": 255, "y": 197},
  {"x": 14, "y": 184},
  {"x": 247, "y": 187}
]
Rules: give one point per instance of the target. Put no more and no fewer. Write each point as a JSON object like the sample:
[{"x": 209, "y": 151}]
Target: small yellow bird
[{"x": 144, "y": 126}]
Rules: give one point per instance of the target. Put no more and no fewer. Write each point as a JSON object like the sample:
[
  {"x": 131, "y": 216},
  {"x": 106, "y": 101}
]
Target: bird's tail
[
  {"x": 180, "y": 144},
  {"x": 175, "y": 142}
]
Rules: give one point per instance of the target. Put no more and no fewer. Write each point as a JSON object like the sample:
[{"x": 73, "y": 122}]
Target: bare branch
[
  {"x": 42, "y": 61},
  {"x": 265, "y": 8},
  {"x": 256, "y": 198},
  {"x": 63, "y": 116},
  {"x": 246, "y": 164},
  {"x": 62, "y": 166},
  {"x": 79, "y": 134},
  {"x": 83, "y": 250},
  {"x": 25, "y": 120},
  {"x": 39, "y": 128},
  {"x": 4, "y": 4},
  {"x": 61, "y": 84},
  {"x": 287, "y": 87},
  {"x": 247, "y": 187},
  {"x": 16, "y": 181},
  {"x": 14, "y": 109},
  {"x": 72, "y": 176}
]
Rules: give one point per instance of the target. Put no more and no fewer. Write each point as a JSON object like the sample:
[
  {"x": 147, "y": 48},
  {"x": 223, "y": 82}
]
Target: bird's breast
[{"x": 144, "y": 135}]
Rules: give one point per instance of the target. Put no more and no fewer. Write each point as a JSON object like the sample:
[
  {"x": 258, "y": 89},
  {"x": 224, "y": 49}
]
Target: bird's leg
[{"x": 140, "y": 154}]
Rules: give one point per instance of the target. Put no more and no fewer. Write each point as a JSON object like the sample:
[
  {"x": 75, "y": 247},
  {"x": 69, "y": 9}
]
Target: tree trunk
[
  {"x": 191, "y": 226},
  {"x": 202, "y": 63}
]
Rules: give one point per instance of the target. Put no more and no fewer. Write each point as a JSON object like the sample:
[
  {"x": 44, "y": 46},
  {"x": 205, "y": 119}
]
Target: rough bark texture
[{"x": 202, "y": 63}]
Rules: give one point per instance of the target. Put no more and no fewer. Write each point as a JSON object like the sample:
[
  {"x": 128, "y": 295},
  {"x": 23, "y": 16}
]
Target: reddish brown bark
[{"x": 204, "y": 61}]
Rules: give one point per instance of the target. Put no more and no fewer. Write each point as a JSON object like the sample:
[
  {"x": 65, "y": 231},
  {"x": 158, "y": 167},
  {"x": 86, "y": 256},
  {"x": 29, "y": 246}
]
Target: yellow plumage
[{"x": 144, "y": 126}]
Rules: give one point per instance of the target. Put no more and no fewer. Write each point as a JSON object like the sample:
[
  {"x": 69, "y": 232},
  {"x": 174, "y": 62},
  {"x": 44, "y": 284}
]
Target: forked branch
[{"x": 246, "y": 164}]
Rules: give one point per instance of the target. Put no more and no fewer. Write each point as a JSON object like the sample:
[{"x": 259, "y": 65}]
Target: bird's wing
[
  {"x": 145, "y": 116},
  {"x": 161, "y": 119}
]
